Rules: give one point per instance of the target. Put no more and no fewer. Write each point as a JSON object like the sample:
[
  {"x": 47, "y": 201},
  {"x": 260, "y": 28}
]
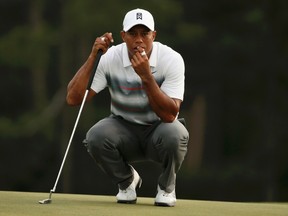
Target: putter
[{"x": 49, "y": 200}]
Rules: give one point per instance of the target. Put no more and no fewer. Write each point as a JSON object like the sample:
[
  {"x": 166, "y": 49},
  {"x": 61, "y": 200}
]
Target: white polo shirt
[{"x": 128, "y": 98}]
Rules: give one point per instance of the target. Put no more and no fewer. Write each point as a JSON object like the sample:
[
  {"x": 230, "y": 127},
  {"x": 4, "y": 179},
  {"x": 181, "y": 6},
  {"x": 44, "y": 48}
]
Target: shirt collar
[{"x": 152, "y": 59}]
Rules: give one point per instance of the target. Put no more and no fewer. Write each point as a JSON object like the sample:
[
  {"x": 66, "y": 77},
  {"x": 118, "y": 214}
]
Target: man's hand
[
  {"x": 140, "y": 63},
  {"x": 102, "y": 43}
]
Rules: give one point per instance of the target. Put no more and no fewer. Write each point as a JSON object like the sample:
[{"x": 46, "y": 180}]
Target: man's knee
[
  {"x": 97, "y": 139},
  {"x": 174, "y": 136}
]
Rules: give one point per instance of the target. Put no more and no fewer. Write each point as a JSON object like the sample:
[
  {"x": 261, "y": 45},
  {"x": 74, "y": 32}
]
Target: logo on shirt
[{"x": 139, "y": 16}]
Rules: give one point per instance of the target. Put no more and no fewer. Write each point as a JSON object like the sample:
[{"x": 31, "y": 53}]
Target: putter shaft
[{"x": 49, "y": 200}]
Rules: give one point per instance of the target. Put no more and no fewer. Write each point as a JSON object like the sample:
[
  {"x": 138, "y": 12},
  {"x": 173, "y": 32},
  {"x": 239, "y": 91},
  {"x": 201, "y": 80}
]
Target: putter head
[
  {"x": 45, "y": 201},
  {"x": 49, "y": 200}
]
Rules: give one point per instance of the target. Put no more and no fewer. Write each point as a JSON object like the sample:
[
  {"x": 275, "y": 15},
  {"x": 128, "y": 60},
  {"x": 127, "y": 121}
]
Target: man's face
[{"x": 139, "y": 36}]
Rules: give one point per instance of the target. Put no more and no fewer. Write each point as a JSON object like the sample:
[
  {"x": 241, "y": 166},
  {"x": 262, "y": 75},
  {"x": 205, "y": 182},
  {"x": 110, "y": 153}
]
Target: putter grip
[{"x": 98, "y": 56}]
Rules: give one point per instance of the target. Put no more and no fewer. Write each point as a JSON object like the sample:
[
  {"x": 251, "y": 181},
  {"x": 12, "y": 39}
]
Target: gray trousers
[{"x": 114, "y": 143}]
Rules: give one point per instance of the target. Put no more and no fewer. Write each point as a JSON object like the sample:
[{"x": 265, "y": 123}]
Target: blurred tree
[{"x": 28, "y": 47}]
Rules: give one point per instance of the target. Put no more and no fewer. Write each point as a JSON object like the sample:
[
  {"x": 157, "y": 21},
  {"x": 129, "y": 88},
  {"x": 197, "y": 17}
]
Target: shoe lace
[
  {"x": 166, "y": 194},
  {"x": 124, "y": 191}
]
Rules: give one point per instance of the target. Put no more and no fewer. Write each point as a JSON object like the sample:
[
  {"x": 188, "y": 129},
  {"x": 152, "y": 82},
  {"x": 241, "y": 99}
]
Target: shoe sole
[
  {"x": 164, "y": 204},
  {"x": 127, "y": 201}
]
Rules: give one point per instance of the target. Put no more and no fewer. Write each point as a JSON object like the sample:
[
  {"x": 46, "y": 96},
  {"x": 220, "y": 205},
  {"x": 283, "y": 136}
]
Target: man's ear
[
  {"x": 154, "y": 35},
  {"x": 122, "y": 34}
]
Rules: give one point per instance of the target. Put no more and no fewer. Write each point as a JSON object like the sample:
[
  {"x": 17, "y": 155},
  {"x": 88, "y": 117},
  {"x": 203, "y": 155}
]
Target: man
[{"x": 146, "y": 84}]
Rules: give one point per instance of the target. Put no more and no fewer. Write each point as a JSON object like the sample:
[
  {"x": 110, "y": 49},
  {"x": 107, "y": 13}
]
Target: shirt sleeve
[
  {"x": 100, "y": 82},
  {"x": 174, "y": 77}
]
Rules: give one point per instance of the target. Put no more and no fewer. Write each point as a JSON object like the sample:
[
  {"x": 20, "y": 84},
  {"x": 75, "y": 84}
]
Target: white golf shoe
[
  {"x": 165, "y": 199},
  {"x": 129, "y": 195}
]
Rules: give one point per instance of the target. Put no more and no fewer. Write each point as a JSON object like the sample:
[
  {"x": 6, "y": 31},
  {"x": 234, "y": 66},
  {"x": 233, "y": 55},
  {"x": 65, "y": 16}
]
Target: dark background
[{"x": 236, "y": 57}]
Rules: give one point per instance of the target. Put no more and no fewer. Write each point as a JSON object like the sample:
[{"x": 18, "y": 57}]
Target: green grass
[{"x": 24, "y": 203}]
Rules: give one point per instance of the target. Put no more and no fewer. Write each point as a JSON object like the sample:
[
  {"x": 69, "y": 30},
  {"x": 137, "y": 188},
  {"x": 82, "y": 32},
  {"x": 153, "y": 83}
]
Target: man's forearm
[{"x": 164, "y": 106}]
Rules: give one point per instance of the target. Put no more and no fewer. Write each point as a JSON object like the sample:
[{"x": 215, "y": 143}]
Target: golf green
[{"x": 26, "y": 203}]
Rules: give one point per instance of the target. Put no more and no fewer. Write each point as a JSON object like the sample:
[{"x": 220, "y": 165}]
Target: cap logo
[{"x": 139, "y": 16}]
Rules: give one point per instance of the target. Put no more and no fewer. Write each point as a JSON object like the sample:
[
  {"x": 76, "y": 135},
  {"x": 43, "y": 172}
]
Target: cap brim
[{"x": 128, "y": 27}]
